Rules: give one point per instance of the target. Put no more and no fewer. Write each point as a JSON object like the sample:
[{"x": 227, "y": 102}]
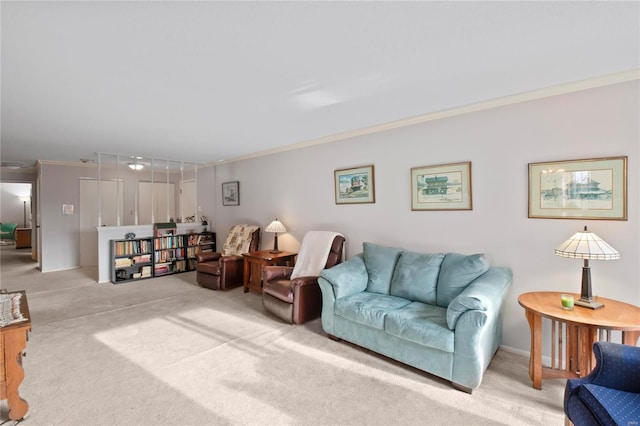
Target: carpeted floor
[{"x": 167, "y": 352}]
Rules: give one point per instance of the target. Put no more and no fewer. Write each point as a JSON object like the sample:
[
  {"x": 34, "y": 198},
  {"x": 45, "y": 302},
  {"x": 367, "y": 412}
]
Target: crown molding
[{"x": 560, "y": 89}]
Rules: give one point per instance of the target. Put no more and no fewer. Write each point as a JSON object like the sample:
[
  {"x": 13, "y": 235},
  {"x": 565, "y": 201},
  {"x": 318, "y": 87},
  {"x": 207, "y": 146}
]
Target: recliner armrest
[
  {"x": 304, "y": 281},
  {"x": 277, "y": 272},
  {"x": 208, "y": 256},
  {"x": 230, "y": 259}
]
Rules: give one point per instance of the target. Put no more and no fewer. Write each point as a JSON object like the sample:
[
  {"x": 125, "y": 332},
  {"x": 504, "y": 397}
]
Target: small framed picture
[
  {"x": 355, "y": 186},
  {"x": 231, "y": 193},
  {"x": 441, "y": 187},
  {"x": 579, "y": 189}
]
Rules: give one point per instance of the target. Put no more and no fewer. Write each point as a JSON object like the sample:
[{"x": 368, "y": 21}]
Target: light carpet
[{"x": 165, "y": 351}]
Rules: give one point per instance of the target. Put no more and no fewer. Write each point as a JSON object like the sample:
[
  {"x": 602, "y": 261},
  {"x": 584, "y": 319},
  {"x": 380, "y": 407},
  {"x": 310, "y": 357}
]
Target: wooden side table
[
  {"x": 23, "y": 238},
  {"x": 13, "y": 340},
  {"x": 255, "y": 260},
  {"x": 572, "y": 345}
]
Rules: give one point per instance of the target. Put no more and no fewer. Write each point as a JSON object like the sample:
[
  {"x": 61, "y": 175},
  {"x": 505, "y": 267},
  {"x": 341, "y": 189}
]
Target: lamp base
[
  {"x": 275, "y": 251},
  {"x": 589, "y": 303}
]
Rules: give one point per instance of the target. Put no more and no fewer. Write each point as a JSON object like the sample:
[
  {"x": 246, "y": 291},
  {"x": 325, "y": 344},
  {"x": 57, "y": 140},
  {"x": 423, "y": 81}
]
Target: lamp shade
[
  {"x": 275, "y": 226},
  {"x": 587, "y": 245}
]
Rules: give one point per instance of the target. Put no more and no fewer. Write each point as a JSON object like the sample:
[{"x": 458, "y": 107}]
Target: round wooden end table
[{"x": 574, "y": 332}]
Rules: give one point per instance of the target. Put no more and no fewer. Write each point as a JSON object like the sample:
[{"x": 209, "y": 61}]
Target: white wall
[
  {"x": 60, "y": 185},
  {"x": 12, "y": 209},
  {"x": 297, "y": 187}
]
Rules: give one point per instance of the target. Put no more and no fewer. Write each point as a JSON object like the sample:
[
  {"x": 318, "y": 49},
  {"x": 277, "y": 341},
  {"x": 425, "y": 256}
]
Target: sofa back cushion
[
  {"x": 456, "y": 273},
  {"x": 416, "y": 276},
  {"x": 380, "y": 262}
]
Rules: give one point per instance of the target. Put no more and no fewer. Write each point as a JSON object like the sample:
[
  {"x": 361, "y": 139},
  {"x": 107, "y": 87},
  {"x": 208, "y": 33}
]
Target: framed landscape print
[
  {"x": 441, "y": 187},
  {"x": 355, "y": 186},
  {"x": 231, "y": 193},
  {"x": 579, "y": 189}
]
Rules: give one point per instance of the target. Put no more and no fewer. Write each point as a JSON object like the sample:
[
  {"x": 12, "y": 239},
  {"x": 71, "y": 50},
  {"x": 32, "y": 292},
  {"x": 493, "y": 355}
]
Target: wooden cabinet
[
  {"x": 23, "y": 238},
  {"x": 13, "y": 341},
  {"x": 131, "y": 260}
]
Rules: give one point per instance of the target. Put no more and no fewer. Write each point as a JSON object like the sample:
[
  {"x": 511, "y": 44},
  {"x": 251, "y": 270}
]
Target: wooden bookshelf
[
  {"x": 169, "y": 255},
  {"x": 131, "y": 260},
  {"x": 199, "y": 243},
  {"x": 157, "y": 256}
]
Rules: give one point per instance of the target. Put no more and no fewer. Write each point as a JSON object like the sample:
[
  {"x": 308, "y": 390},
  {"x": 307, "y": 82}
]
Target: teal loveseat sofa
[{"x": 441, "y": 313}]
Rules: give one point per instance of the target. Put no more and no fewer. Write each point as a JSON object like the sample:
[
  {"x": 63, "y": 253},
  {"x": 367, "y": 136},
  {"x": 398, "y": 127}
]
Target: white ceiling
[{"x": 209, "y": 81}]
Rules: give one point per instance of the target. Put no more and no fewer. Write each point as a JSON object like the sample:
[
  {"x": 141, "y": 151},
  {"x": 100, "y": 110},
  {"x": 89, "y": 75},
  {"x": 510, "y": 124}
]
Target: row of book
[
  {"x": 123, "y": 262},
  {"x": 122, "y": 248},
  {"x": 168, "y": 242},
  {"x": 168, "y": 254},
  {"x": 196, "y": 239},
  {"x": 169, "y": 267},
  {"x": 193, "y": 251}
]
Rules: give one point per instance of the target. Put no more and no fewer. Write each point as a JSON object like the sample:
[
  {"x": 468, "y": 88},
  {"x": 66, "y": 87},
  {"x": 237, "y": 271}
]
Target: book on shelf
[
  {"x": 123, "y": 262},
  {"x": 162, "y": 268},
  {"x": 143, "y": 258},
  {"x": 145, "y": 271},
  {"x": 122, "y": 248}
]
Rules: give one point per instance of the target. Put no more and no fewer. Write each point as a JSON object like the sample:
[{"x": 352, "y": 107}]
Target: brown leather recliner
[
  {"x": 296, "y": 300},
  {"x": 225, "y": 270}
]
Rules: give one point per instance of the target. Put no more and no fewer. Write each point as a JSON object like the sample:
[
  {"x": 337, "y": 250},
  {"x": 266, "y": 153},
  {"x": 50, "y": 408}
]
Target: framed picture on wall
[
  {"x": 579, "y": 189},
  {"x": 441, "y": 187},
  {"x": 354, "y": 186},
  {"x": 231, "y": 193}
]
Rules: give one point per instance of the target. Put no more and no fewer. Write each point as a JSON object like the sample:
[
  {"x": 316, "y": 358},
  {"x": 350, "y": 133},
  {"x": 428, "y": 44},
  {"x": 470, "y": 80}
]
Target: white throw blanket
[{"x": 313, "y": 253}]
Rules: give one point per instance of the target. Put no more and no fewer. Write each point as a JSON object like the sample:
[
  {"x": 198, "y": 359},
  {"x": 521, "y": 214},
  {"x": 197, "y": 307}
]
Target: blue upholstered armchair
[{"x": 610, "y": 395}]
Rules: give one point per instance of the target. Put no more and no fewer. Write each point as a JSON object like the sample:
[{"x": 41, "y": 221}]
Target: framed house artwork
[
  {"x": 441, "y": 187},
  {"x": 231, "y": 193},
  {"x": 579, "y": 189},
  {"x": 355, "y": 186}
]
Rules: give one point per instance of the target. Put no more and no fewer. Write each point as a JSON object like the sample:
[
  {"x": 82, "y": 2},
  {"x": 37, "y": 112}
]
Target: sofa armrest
[
  {"x": 476, "y": 317},
  {"x": 347, "y": 278},
  {"x": 271, "y": 273},
  {"x": 617, "y": 366},
  {"x": 487, "y": 292}
]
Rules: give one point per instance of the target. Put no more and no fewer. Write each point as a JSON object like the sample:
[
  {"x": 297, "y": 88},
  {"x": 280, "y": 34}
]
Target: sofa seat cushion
[
  {"x": 211, "y": 268},
  {"x": 368, "y": 308},
  {"x": 380, "y": 262},
  {"x": 416, "y": 276},
  {"x": 611, "y": 406},
  {"x": 423, "y": 324}
]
